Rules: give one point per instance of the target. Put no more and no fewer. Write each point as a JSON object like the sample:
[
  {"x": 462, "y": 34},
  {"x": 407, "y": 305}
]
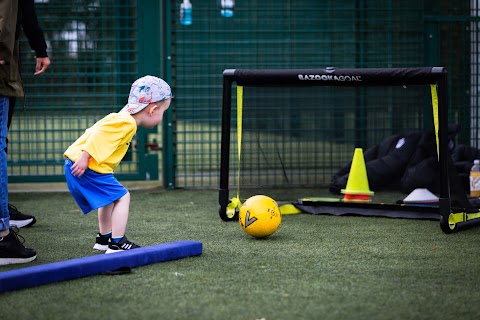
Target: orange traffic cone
[{"x": 357, "y": 189}]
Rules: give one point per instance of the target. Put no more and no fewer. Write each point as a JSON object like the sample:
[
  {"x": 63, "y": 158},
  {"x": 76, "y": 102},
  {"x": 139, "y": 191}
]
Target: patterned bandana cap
[{"x": 146, "y": 90}]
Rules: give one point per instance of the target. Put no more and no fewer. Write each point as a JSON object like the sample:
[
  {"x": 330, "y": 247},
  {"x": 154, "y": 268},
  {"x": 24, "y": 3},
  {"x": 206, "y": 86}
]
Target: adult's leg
[
  {"x": 4, "y": 215},
  {"x": 11, "y": 107},
  {"x": 12, "y": 249},
  {"x": 17, "y": 218}
]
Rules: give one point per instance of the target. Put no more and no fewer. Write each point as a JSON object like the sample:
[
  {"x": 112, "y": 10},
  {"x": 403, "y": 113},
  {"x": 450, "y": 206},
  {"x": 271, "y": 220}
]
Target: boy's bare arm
[{"x": 79, "y": 167}]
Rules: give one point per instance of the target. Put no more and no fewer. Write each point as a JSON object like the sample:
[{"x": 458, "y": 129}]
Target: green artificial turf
[{"x": 313, "y": 267}]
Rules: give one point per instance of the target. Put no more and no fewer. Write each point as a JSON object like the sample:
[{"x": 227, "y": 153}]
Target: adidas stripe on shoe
[{"x": 122, "y": 245}]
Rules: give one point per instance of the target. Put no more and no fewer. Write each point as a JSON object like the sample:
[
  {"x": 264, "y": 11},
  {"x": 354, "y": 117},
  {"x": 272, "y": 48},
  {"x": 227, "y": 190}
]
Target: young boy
[{"x": 92, "y": 158}]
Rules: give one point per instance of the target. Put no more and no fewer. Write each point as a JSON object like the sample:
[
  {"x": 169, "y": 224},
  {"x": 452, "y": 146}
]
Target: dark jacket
[
  {"x": 10, "y": 81},
  {"x": 27, "y": 20}
]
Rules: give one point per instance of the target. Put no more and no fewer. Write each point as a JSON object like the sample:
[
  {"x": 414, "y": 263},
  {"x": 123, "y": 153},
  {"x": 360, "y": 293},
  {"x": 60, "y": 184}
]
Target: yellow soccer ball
[{"x": 260, "y": 216}]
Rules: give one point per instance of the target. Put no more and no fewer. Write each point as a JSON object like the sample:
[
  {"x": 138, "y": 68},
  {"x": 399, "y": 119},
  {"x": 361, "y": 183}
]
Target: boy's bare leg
[
  {"x": 119, "y": 216},
  {"x": 105, "y": 218},
  {"x": 114, "y": 217}
]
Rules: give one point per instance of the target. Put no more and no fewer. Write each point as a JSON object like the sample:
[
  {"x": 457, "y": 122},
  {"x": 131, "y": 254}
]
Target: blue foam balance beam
[{"x": 96, "y": 264}]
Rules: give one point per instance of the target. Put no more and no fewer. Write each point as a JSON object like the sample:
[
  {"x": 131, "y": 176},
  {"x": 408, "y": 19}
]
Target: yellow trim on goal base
[
  {"x": 459, "y": 217},
  {"x": 289, "y": 209}
]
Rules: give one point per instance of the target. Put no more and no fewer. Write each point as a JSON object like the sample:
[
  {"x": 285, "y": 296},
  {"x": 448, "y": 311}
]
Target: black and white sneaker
[
  {"x": 13, "y": 251},
  {"x": 122, "y": 245},
  {"x": 101, "y": 243},
  {"x": 18, "y": 219}
]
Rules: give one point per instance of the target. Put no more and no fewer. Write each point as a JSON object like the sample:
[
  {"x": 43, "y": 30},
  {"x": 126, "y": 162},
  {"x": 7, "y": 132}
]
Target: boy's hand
[{"x": 79, "y": 167}]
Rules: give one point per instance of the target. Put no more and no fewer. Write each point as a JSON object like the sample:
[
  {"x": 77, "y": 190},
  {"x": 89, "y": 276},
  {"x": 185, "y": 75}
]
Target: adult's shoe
[
  {"x": 18, "y": 219},
  {"x": 13, "y": 251}
]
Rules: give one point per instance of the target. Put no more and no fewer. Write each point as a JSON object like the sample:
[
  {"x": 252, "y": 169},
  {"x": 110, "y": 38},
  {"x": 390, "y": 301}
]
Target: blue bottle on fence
[
  {"x": 186, "y": 13},
  {"x": 227, "y": 8}
]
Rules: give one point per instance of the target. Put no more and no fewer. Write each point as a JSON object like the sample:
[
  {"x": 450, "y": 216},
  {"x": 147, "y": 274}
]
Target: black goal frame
[{"x": 341, "y": 77}]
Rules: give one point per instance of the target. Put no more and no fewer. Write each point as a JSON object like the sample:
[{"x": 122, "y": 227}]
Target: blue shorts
[{"x": 93, "y": 190}]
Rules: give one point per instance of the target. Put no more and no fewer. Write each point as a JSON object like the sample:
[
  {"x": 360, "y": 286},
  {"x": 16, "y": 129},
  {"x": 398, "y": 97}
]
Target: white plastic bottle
[
  {"x": 475, "y": 179},
  {"x": 186, "y": 13}
]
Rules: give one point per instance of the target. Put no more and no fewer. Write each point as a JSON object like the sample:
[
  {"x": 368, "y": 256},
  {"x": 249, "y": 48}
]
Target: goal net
[{"x": 285, "y": 129}]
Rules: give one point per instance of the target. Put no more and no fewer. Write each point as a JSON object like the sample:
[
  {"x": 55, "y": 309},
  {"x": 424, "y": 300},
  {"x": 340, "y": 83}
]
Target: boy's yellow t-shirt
[{"x": 107, "y": 142}]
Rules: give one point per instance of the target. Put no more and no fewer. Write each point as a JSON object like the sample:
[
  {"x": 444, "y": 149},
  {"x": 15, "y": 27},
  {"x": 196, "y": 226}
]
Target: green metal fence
[
  {"x": 99, "y": 47},
  {"x": 95, "y": 53},
  {"x": 297, "y": 34}
]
